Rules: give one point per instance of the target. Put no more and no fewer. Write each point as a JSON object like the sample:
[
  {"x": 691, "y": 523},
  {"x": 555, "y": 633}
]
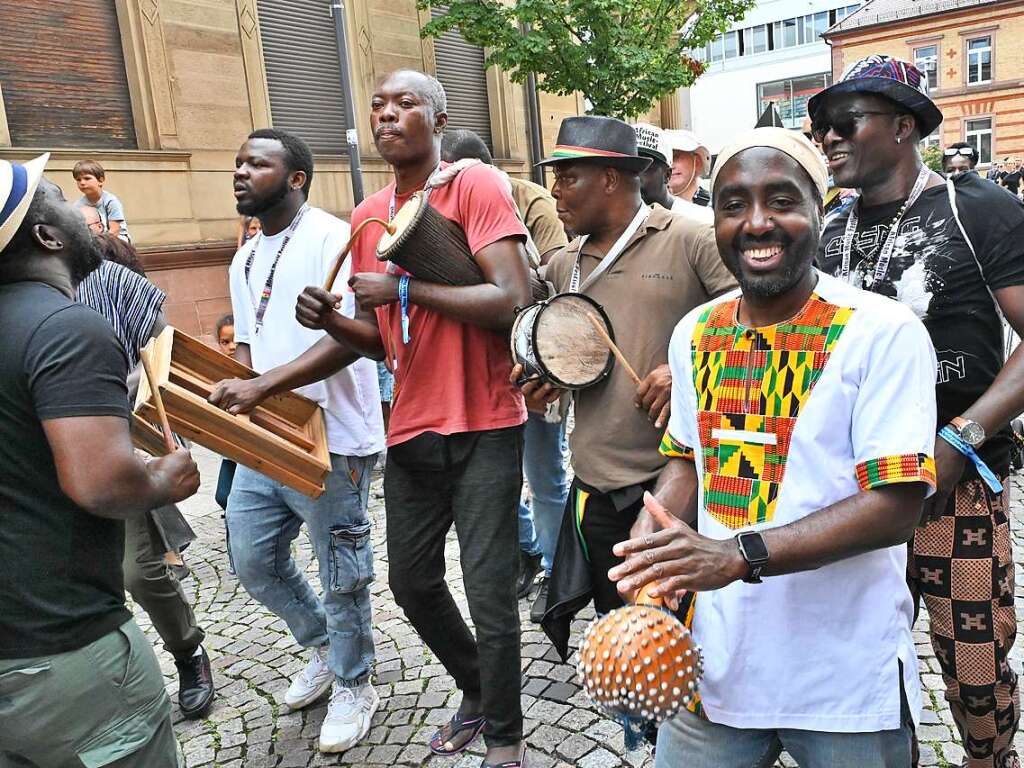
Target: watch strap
[{"x": 951, "y": 436}]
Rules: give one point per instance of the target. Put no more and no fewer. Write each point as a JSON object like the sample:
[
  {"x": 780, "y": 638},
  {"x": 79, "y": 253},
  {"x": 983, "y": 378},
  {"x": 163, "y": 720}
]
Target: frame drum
[{"x": 554, "y": 341}]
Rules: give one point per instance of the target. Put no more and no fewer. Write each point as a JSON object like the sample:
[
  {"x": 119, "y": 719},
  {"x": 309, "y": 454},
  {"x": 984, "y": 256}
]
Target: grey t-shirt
[{"x": 110, "y": 209}]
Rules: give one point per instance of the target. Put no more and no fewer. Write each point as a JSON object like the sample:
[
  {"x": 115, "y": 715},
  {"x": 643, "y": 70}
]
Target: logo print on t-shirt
[{"x": 751, "y": 385}]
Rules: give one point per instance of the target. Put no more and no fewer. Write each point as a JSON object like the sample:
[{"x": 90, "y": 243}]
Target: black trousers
[
  {"x": 601, "y": 525},
  {"x": 472, "y": 480}
]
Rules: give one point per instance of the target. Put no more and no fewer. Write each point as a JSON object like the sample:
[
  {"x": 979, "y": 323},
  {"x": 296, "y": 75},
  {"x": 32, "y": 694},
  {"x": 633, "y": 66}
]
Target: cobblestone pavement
[{"x": 254, "y": 658}]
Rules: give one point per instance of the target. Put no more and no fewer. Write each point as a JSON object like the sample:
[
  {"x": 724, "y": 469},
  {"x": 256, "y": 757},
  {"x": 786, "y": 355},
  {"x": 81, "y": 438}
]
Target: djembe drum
[
  {"x": 639, "y": 664},
  {"x": 556, "y": 342}
]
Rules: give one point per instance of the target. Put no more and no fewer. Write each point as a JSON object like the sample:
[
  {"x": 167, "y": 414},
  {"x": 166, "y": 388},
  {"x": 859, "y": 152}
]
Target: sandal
[
  {"x": 459, "y": 724},
  {"x": 520, "y": 763}
]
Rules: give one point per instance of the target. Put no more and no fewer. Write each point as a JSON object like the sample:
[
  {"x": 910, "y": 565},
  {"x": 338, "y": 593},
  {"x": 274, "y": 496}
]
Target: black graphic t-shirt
[{"x": 933, "y": 271}]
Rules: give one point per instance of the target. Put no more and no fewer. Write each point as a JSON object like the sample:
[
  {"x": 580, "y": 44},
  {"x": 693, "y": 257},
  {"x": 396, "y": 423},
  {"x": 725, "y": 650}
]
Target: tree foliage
[
  {"x": 932, "y": 157},
  {"x": 622, "y": 55}
]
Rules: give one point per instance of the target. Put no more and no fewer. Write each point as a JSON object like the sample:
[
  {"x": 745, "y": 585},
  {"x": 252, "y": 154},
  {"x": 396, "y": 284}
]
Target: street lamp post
[{"x": 351, "y": 134}]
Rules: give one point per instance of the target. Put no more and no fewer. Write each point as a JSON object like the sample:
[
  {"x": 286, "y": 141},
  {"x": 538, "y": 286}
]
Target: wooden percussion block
[{"x": 283, "y": 438}]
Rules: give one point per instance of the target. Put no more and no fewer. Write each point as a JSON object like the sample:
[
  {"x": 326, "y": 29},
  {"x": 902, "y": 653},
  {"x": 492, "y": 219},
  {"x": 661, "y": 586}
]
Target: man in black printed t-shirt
[
  {"x": 79, "y": 682},
  {"x": 954, "y": 252}
]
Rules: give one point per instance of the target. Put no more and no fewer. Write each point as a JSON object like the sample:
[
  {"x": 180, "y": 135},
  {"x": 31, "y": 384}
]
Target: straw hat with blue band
[
  {"x": 18, "y": 183},
  {"x": 603, "y": 140}
]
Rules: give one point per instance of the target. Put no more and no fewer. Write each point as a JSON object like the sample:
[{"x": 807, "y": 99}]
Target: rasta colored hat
[
  {"x": 651, "y": 142},
  {"x": 602, "y": 140},
  {"x": 896, "y": 80},
  {"x": 18, "y": 182}
]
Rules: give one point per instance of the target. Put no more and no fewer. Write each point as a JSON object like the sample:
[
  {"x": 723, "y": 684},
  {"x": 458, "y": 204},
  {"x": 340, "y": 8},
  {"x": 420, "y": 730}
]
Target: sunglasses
[
  {"x": 954, "y": 151},
  {"x": 844, "y": 124}
]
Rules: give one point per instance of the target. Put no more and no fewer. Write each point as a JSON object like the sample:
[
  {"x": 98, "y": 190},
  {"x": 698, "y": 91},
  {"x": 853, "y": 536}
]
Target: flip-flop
[
  {"x": 458, "y": 724},
  {"x": 520, "y": 763}
]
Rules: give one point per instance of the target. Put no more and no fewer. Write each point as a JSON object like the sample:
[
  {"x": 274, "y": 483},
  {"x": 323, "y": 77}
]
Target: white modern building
[{"x": 774, "y": 56}]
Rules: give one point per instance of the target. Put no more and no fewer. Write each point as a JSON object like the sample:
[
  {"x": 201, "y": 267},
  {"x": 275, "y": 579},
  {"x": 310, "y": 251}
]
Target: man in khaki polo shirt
[{"x": 651, "y": 268}]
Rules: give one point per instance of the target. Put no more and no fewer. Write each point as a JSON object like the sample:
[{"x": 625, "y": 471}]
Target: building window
[
  {"x": 978, "y": 133},
  {"x": 927, "y": 60},
  {"x": 300, "y": 54},
  {"x": 979, "y": 60},
  {"x": 732, "y": 46},
  {"x": 790, "y": 96},
  {"x": 931, "y": 140},
  {"x": 63, "y": 76},
  {"x": 461, "y": 70}
]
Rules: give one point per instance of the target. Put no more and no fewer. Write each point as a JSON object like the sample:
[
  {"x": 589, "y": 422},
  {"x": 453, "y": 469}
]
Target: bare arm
[
  {"x": 99, "y": 470},
  {"x": 323, "y": 359},
  {"x": 243, "y": 354},
  {"x": 680, "y": 558},
  {"x": 490, "y": 304},
  {"x": 316, "y": 309},
  {"x": 1002, "y": 401}
]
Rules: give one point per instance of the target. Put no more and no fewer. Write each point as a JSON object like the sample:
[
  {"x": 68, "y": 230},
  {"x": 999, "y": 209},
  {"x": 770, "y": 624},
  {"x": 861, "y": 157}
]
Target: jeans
[
  {"x": 101, "y": 705},
  {"x": 152, "y": 585},
  {"x": 694, "y": 742},
  {"x": 544, "y": 448},
  {"x": 472, "y": 480},
  {"x": 264, "y": 517}
]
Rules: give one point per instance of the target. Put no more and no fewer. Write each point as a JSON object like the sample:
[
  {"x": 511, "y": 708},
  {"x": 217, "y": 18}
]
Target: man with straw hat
[
  {"x": 79, "y": 682},
  {"x": 647, "y": 268}
]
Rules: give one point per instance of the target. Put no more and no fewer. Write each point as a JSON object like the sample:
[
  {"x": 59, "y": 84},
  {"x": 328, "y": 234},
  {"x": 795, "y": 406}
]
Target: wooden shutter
[
  {"x": 300, "y": 53},
  {"x": 62, "y": 75},
  {"x": 460, "y": 68}
]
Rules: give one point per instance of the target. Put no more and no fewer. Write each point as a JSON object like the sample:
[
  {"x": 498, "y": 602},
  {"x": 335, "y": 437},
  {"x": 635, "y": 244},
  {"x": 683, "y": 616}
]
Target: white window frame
[
  {"x": 918, "y": 58},
  {"x": 973, "y": 137},
  {"x": 974, "y": 60}
]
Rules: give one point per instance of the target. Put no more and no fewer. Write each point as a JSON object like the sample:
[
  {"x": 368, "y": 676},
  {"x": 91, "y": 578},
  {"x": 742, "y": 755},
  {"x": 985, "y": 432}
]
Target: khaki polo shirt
[
  {"x": 537, "y": 207},
  {"x": 670, "y": 265}
]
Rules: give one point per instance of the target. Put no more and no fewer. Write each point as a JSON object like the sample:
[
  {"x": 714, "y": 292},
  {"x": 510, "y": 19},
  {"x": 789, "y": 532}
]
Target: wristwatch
[
  {"x": 755, "y": 552},
  {"x": 971, "y": 432}
]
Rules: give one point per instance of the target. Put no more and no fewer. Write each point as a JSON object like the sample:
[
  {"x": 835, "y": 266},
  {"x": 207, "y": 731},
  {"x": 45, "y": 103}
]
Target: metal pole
[{"x": 337, "y": 8}]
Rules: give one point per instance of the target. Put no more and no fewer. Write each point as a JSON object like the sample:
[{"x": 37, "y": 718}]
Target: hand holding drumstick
[{"x": 654, "y": 391}]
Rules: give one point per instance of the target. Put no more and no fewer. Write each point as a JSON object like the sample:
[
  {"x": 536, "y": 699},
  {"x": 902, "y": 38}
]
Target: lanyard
[
  {"x": 882, "y": 265},
  {"x": 613, "y": 253},
  {"x": 261, "y": 308}
]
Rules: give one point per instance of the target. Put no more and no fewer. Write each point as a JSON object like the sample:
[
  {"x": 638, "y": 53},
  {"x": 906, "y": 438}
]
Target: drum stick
[
  {"x": 612, "y": 346},
  {"x": 159, "y": 402},
  {"x": 348, "y": 247}
]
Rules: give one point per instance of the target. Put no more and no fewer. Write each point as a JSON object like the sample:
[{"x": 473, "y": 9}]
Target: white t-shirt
[
  {"x": 351, "y": 397},
  {"x": 847, "y": 402},
  {"x": 700, "y": 213}
]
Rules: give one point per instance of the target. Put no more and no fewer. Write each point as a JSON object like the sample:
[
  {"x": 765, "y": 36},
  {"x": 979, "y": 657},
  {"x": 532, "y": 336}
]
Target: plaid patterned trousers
[{"x": 962, "y": 567}]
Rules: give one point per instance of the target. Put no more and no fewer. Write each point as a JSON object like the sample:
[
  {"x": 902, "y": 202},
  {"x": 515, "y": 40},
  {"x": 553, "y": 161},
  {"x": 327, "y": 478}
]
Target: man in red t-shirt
[{"x": 455, "y": 435}]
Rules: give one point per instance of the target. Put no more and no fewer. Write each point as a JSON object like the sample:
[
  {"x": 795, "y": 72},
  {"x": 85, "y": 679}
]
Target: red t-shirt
[{"x": 452, "y": 377}]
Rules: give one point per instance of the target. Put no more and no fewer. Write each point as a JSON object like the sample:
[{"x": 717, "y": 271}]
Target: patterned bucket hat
[{"x": 897, "y": 80}]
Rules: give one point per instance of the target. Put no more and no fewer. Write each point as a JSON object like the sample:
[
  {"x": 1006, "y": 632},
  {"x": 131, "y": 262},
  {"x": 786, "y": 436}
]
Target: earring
[{"x": 899, "y": 140}]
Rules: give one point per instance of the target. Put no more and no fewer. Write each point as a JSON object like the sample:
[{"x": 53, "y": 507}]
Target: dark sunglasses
[{"x": 843, "y": 124}]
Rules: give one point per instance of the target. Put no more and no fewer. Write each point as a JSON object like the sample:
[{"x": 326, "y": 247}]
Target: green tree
[
  {"x": 622, "y": 55},
  {"x": 932, "y": 157}
]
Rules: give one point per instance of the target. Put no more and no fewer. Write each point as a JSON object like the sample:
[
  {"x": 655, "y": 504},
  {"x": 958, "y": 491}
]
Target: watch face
[
  {"x": 753, "y": 547},
  {"x": 972, "y": 433}
]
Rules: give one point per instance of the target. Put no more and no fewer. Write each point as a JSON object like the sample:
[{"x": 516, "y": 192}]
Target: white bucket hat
[
  {"x": 18, "y": 183},
  {"x": 651, "y": 141}
]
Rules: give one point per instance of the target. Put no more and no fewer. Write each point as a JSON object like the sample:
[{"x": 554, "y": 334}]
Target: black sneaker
[
  {"x": 529, "y": 567},
  {"x": 541, "y": 603},
  {"x": 195, "y": 685}
]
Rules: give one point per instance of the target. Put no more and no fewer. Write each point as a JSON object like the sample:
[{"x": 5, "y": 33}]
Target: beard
[
  {"x": 84, "y": 248},
  {"x": 257, "y": 205},
  {"x": 798, "y": 256}
]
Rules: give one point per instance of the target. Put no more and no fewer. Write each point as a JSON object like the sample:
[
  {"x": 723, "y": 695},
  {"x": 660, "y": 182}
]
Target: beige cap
[
  {"x": 683, "y": 140},
  {"x": 792, "y": 143}
]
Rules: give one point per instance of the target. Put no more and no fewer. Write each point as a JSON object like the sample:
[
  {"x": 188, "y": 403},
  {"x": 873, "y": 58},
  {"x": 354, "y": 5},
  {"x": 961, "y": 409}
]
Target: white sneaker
[
  {"x": 348, "y": 717},
  {"x": 311, "y": 683}
]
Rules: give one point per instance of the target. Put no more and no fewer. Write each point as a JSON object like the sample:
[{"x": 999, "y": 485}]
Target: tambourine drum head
[
  {"x": 567, "y": 345},
  {"x": 404, "y": 218}
]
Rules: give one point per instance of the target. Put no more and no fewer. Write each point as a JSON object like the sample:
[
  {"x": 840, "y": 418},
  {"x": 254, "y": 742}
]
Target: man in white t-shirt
[
  {"x": 652, "y": 142},
  {"x": 801, "y": 440},
  {"x": 296, "y": 248}
]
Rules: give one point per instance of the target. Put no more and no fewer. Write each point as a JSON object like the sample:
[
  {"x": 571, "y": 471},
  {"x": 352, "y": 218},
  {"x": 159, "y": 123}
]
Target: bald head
[
  {"x": 92, "y": 218},
  {"x": 460, "y": 143}
]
